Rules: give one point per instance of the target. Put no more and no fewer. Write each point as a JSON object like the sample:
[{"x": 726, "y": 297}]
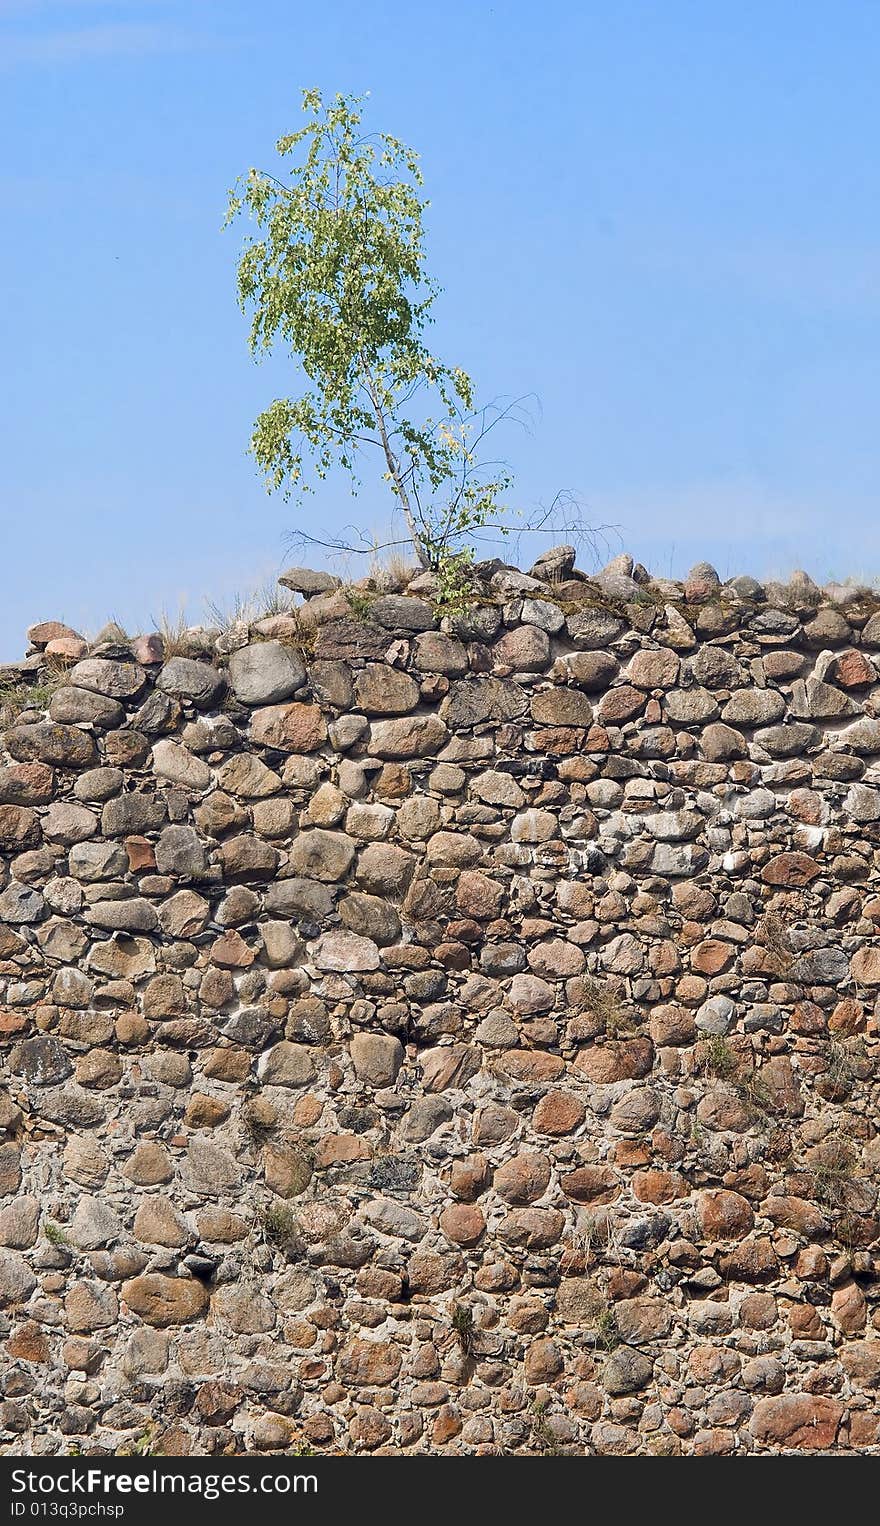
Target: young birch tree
[{"x": 336, "y": 276}]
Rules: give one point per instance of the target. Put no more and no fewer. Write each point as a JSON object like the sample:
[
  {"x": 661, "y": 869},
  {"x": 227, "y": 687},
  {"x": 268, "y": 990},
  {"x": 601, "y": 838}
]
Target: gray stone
[
  {"x": 763, "y": 1018},
  {"x": 10, "y": 1155},
  {"x": 286, "y": 1065},
  {"x": 132, "y": 814},
  {"x": 252, "y": 1027},
  {"x": 370, "y": 916},
  {"x": 593, "y": 671},
  {"x": 434, "y": 652},
  {"x": 59, "y": 746},
  {"x": 753, "y": 707},
  {"x": 305, "y": 581},
  {"x": 65, "y": 896},
  {"x": 71, "y": 706},
  {"x": 158, "y": 713},
  {"x": 19, "y": 1222},
  {"x": 702, "y": 579},
  {"x": 248, "y": 777},
  {"x": 94, "y": 1224},
  {"x": 300, "y": 898},
  {"x": 690, "y": 707},
  {"x": 534, "y": 826},
  {"x": 116, "y": 680},
  {"x": 636, "y": 1111},
  {"x": 862, "y": 737},
  {"x": 377, "y": 1058},
  {"x": 395, "y": 1219},
  {"x": 20, "y": 905},
  {"x": 93, "y": 861},
  {"x": 815, "y": 700},
  {"x": 66, "y": 823},
  {"x": 132, "y": 915},
  {"x": 821, "y": 966},
  {"x": 43, "y": 1061},
  {"x": 787, "y": 741},
  {"x": 863, "y": 803},
  {"x": 412, "y": 736},
  {"x": 481, "y": 622},
  {"x": 71, "y": 988},
  {"x": 424, "y": 1116},
  {"x": 402, "y": 612},
  {"x": 594, "y": 627},
  {"x": 85, "y": 1162},
  {"x": 342, "y": 950},
  {"x": 756, "y": 805},
  {"x": 746, "y": 588},
  {"x": 331, "y": 684},
  {"x": 675, "y": 826},
  {"x": 179, "y": 766},
  {"x": 321, "y": 855},
  {"x": 180, "y": 852},
  {"x": 282, "y": 947},
  {"x": 71, "y": 1104},
  {"x": 381, "y": 690},
  {"x": 146, "y": 1352},
  {"x": 347, "y": 730},
  {"x": 265, "y": 673},
  {"x": 496, "y": 788},
  {"x": 617, "y": 586},
  {"x": 715, "y": 668},
  {"x": 246, "y": 1308},
  {"x": 548, "y": 617},
  {"x": 716, "y": 1015},
  {"x": 196, "y": 682},
  {"x": 509, "y": 581},
  {"x": 497, "y": 1031},
  {"x": 775, "y": 625},
  {"x": 555, "y": 564},
  {"x": 99, "y": 784},
  {"x": 529, "y": 993},
  {"x": 502, "y": 959},
  {"x": 472, "y": 701},
  {"x": 871, "y": 631},
  {"x": 369, "y": 823},
  {"x": 674, "y": 860},
  {"x": 17, "y": 1281},
  {"x": 209, "y": 1169},
  {"x": 627, "y": 1371}
]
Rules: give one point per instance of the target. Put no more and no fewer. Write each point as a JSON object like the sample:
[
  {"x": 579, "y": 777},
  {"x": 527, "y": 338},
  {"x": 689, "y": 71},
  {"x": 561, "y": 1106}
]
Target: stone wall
[{"x": 457, "y": 1037}]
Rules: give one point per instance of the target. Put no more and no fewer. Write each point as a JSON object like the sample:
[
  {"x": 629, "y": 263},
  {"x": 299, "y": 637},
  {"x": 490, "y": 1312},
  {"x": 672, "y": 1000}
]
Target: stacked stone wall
[{"x": 446, "y": 1036}]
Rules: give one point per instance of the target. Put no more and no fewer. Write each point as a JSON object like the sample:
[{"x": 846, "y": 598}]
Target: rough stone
[
  {"x": 56, "y": 746},
  {"x": 197, "y": 683},
  {"x": 265, "y": 673},
  {"x": 377, "y": 1058},
  {"x": 162, "y": 1301}
]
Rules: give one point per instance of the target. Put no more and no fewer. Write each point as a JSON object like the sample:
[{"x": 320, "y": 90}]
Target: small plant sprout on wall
[{"x": 336, "y": 276}]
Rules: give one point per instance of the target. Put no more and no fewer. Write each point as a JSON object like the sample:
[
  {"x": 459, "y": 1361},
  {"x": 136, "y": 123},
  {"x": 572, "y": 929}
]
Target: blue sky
[{"x": 662, "y": 220}]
